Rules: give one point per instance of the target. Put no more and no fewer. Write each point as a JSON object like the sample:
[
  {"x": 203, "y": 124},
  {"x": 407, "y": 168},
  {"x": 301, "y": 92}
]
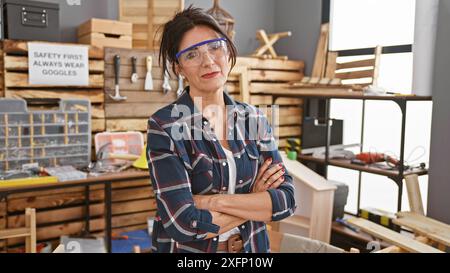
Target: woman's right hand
[{"x": 269, "y": 177}]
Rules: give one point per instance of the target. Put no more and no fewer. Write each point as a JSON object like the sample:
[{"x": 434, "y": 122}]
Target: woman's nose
[{"x": 208, "y": 60}]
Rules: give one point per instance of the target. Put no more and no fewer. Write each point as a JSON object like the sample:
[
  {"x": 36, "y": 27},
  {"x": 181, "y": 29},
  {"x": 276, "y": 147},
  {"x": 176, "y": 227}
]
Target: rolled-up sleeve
[
  {"x": 182, "y": 221},
  {"x": 283, "y": 198}
]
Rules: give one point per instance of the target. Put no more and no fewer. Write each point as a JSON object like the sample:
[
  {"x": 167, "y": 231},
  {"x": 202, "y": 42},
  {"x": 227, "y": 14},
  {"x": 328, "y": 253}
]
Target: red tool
[{"x": 370, "y": 158}]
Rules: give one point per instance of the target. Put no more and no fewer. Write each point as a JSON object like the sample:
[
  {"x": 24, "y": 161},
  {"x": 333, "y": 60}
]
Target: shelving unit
[{"x": 327, "y": 94}]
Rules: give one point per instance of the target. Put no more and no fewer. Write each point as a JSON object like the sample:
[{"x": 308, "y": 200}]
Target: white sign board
[{"x": 58, "y": 65}]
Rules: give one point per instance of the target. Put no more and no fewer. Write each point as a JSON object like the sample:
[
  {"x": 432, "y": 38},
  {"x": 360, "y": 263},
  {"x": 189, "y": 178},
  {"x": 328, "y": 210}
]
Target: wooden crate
[
  {"x": 15, "y": 77},
  {"x": 147, "y": 17},
  {"x": 133, "y": 113},
  {"x": 106, "y": 33},
  {"x": 60, "y": 212},
  {"x": 270, "y": 75}
]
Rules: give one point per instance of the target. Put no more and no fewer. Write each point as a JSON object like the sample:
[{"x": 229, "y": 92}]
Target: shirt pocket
[{"x": 202, "y": 174}]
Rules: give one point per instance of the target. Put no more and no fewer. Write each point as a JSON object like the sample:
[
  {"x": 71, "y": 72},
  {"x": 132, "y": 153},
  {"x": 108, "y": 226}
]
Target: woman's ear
[{"x": 179, "y": 71}]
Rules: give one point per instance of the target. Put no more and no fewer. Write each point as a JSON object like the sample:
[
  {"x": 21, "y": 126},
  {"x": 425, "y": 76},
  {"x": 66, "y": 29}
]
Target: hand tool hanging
[
  {"x": 117, "y": 96},
  {"x": 148, "y": 77},
  {"x": 134, "y": 75}
]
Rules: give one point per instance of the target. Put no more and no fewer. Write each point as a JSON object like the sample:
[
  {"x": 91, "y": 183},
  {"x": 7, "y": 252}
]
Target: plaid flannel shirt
[{"x": 182, "y": 167}]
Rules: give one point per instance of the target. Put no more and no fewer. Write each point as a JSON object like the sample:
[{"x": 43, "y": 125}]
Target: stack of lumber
[
  {"x": 16, "y": 85},
  {"x": 258, "y": 82},
  {"x": 61, "y": 212},
  {"x": 132, "y": 114},
  {"x": 147, "y": 17}
]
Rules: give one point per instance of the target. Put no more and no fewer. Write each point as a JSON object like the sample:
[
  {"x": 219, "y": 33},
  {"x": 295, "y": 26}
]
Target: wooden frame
[
  {"x": 313, "y": 216},
  {"x": 29, "y": 231}
]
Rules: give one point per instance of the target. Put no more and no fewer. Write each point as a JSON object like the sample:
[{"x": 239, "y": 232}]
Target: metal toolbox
[
  {"x": 50, "y": 138},
  {"x": 30, "y": 20}
]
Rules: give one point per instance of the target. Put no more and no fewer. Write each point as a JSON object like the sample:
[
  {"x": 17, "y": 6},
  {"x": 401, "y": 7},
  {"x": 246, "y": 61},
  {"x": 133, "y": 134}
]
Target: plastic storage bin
[{"x": 50, "y": 138}]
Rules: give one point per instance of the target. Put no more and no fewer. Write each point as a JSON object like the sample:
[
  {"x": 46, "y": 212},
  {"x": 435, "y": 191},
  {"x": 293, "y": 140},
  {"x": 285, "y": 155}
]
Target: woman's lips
[{"x": 210, "y": 75}]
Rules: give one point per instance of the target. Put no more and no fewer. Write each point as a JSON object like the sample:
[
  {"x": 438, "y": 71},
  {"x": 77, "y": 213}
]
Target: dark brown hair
[{"x": 174, "y": 30}]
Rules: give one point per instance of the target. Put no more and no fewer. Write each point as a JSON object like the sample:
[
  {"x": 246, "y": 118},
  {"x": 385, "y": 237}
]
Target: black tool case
[{"x": 30, "y": 20}]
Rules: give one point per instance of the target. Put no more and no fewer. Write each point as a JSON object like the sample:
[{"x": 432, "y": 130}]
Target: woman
[{"x": 213, "y": 162}]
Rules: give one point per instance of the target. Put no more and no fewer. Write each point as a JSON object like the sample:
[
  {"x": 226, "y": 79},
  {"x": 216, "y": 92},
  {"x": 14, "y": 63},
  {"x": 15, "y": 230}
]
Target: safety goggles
[{"x": 193, "y": 55}]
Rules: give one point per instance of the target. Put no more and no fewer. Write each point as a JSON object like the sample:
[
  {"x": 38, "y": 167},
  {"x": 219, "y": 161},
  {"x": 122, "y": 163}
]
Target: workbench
[{"x": 128, "y": 195}]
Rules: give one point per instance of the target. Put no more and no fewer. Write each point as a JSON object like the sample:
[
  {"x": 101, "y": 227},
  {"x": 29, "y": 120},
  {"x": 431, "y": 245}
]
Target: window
[{"x": 356, "y": 24}]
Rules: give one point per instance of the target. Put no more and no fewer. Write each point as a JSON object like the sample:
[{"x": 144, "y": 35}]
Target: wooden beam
[
  {"x": 425, "y": 226},
  {"x": 414, "y": 196},
  {"x": 321, "y": 52},
  {"x": 392, "y": 237}
]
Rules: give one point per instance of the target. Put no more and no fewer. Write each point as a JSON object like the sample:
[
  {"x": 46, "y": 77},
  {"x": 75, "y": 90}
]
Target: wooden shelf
[
  {"x": 343, "y": 163},
  {"x": 337, "y": 93}
]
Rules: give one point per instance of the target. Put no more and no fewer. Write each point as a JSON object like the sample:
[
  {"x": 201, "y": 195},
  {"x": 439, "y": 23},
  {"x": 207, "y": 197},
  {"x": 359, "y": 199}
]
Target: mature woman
[{"x": 213, "y": 162}]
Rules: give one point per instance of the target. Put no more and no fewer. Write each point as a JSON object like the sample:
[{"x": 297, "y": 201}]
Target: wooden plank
[
  {"x": 392, "y": 237},
  {"x": 131, "y": 183},
  {"x": 331, "y": 64},
  {"x": 270, "y": 64},
  {"x": 305, "y": 175},
  {"x": 94, "y": 95},
  {"x": 133, "y": 206},
  {"x": 288, "y": 101},
  {"x": 132, "y": 219},
  {"x": 56, "y": 231},
  {"x": 132, "y": 110},
  {"x": 48, "y": 201},
  {"x": 127, "y": 85},
  {"x": 132, "y": 194},
  {"x": 121, "y": 125},
  {"x": 274, "y": 76},
  {"x": 321, "y": 52},
  {"x": 145, "y": 97},
  {"x": 433, "y": 229},
  {"x": 355, "y": 64},
  {"x": 102, "y": 41},
  {"x": 20, "y": 63},
  {"x": 414, "y": 196},
  {"x": 258, "y": 100},
  {"x": 21, "y": 47},
  {"x": 354, "y": 74},
  {"x": 272, "y": 88},
  {"x": 290, "y": 111},
  {"x": 58, "y": 215},
  {"x": 285, "y": 131},
  {"x": 12, "y": 233},
  {"x": 98, "y": 125},
  {"x": 125, "y": 72},
  {"x": 290, "y": 120},
  {"x": 105, "y": 26},
  {"x": 21, "y": 80}
]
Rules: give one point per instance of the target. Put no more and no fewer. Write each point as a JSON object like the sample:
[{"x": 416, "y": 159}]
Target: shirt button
[
  {"x": 242, "y": 226},
  {"x": 224, "y": 163},
  {"x": 239, "y": 157},
  {"x": 214, "y": 239},
  {"x": 240, "y": 181},
  {"x": 205, "y": 123}
]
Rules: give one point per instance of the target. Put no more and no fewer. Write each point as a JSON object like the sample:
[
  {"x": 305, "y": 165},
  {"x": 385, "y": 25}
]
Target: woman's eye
[
  {"x": 191, "y": 55},
  {"x": 215, "y": 46}
]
